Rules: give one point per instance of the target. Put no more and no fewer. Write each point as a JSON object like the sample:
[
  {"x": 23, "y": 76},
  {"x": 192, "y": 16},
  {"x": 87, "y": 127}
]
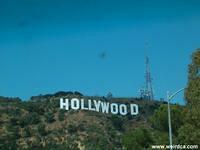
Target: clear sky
[{"x": 48, "y": 46}]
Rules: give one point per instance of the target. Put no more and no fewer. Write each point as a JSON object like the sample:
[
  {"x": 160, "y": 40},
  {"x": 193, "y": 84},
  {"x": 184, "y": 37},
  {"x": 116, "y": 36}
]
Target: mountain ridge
[{"x": 39, "y": 123}]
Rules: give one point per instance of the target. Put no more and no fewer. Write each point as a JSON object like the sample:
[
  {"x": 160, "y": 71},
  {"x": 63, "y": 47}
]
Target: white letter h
[{"x": 64, "y": 104}]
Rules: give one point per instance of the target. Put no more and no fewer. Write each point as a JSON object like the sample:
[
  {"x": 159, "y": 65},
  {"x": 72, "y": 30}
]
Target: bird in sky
[{"x": 103, "y": 55}]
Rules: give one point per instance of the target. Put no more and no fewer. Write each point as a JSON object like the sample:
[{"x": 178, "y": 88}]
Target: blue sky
[{"x": 49, "y": 46}]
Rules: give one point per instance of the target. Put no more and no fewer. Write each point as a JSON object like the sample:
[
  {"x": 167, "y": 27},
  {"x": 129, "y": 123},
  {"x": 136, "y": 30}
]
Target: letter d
[{"x": 134, "y": 109}]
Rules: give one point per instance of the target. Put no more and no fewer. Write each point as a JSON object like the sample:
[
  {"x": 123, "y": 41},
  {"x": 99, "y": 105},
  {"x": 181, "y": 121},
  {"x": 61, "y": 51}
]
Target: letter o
[
  {"x": 75, "y": 104},
  {"x": 123, "y": 109},
  {"x": 114, "y": 108}
]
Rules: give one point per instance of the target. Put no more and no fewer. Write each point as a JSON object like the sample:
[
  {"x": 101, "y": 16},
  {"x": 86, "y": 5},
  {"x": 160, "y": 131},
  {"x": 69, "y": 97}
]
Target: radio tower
[
  {"x": 149, "y": 86},
  {"x": 147, "y": 91}
]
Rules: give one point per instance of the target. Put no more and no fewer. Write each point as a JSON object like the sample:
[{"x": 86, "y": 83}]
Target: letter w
[{"x": 105, "y": 107}]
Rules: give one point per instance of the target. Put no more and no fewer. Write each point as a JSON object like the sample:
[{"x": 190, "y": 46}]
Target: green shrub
[
  {"x": 32, "y": 118},
  {"x": 61, "y": 115},
  {"x": 138, "y": 139},
  {"x": 41, "y": 129},
  {"x": 49, "y": 117}
]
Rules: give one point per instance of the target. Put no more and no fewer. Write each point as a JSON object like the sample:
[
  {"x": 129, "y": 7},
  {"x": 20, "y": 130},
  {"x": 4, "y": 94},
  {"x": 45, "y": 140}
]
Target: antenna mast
[
  {"x": 147, "y": 91},
  {"x": 149, "y": 86}
]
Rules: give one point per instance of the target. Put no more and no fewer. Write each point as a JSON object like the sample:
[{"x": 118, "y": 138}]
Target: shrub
[
  {"x": 50, "y": 117},
  {"x": 32, "y": 118},
  {"x": 61, "y": 115},
  {"x": 137, "y": 139},
  {"x": 41, "y": 129}
]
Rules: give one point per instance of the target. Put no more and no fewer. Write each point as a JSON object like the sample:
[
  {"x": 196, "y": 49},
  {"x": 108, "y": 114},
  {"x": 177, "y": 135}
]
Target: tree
[
  {"x": 159, "y": 120},
  {"x": 117, "y": 122},
  {"x": 192, "y": 93},
  {"x": 138, "y": 139},
  {"x": 189, "y": 133}
]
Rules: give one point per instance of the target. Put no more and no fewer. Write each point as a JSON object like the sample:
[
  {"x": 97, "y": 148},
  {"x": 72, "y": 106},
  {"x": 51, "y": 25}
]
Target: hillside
[{"x": 39, "y": 123}]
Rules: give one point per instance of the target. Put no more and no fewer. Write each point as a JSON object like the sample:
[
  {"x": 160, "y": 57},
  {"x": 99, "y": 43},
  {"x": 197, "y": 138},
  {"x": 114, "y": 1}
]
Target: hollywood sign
[{"x": 99, "y": 106}]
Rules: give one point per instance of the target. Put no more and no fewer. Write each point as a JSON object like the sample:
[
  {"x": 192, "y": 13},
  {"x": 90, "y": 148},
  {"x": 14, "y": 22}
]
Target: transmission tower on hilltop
[{"x": 147, "y": 91}]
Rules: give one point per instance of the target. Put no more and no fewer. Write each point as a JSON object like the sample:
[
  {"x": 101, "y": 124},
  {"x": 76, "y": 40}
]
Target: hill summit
[{"x": 39, "y": 123}]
